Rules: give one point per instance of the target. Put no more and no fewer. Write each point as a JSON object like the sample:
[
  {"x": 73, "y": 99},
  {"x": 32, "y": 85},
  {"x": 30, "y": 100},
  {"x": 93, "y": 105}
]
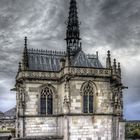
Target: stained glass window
[
  {"x": 49, "y": 104},
  {"x": 43, "y": 104},
  {"x": 85, "y": 102},
  {"x": 88, "y": 98},
  {"x": 46, "y": 101},
  {"x": 90, "y": 103}
]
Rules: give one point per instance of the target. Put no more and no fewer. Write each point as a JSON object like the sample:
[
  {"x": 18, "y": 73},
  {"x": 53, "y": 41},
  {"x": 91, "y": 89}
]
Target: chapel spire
[{"x": 73, "y": 31}]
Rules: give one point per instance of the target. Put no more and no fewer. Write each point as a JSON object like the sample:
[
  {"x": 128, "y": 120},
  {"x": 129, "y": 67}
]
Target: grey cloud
[
  {"x": 106, "y": 24},
  {"x": 119, "y": 22}
]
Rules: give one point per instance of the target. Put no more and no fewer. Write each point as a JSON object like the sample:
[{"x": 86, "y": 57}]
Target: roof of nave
[{"x": 40, "y": 60}]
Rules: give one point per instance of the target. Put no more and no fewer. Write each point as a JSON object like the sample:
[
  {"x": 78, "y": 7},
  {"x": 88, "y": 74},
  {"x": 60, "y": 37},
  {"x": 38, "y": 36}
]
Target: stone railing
[
  {"x": 71, "y": 71},
  {"x": 90, "y": 72},
  {"x": 37, "y": 75}
]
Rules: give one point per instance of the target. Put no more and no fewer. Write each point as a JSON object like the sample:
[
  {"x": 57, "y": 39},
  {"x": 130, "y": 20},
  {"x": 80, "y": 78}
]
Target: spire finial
[
  {"x": 108, "y": 53},
  {"x": 25, "y": 55},
  {"x": 73, "y": 31},
  {"x": 108, "y": 60},
  {"x": 25, "y": 41},
  {"x": 115, "y": 63},
  {"x": 114, "y": 66},
  {"x": 119, "y": 65},
  {"x": 119, "y": 68},
  {"x": 19, "y": 68}
]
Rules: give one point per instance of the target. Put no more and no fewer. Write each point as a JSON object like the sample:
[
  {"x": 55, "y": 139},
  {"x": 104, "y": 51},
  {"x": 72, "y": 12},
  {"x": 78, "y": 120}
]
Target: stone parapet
[{"x": 66, "y": 71}]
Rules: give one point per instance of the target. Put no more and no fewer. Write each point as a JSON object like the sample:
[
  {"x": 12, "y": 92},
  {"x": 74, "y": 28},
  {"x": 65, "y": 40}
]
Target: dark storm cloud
[
  {"x": 120, "y": 23},
  {"x": 40, "y": 21},
  {"x": 106, "y": 24}
]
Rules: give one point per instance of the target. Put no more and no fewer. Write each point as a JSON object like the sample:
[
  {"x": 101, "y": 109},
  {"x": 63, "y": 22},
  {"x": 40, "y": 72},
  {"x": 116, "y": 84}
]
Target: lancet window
[
  {"x": 88, "y": 98},
  {"x": 46, "y": 101}
]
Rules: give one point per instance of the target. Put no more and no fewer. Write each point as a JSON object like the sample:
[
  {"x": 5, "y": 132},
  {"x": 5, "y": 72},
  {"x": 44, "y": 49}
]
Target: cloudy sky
[{"x": 106, "y": 25}]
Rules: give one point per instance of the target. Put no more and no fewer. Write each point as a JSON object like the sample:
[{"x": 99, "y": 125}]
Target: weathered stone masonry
[
  {"x": 106, "y": 116},
  {"x": 69, "y": 95}
]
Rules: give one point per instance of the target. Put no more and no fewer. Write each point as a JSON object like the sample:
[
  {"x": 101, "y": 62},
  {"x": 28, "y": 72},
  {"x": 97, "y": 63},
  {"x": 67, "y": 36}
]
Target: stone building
[
  {"x": 69, "y": 95},
  {"x": 7, "y": 119},
  {"x": 1, "y": 115}
]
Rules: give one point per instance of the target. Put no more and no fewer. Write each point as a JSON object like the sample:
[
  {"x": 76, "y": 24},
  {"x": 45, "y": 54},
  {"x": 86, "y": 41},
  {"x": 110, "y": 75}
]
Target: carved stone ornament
[
  {"x": 63, "y": 73},
  {"x": 33, "y": 89}
]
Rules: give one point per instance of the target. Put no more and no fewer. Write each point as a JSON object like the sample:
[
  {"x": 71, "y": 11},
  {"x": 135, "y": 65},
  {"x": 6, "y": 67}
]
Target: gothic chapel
[{"x": 69, "y": 95}]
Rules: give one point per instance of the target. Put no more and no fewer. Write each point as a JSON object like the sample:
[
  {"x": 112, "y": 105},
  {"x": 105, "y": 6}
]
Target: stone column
[{"x": 66, "y": 108}]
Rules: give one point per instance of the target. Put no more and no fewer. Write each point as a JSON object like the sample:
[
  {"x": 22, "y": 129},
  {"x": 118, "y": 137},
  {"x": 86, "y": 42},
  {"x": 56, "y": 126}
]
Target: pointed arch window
[
  {"x": 88, "y": 96},
  {"x": 46, "y": 101}
]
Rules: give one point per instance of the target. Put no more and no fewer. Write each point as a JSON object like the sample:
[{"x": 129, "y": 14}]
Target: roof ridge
[{"x": 46, "y": 52}]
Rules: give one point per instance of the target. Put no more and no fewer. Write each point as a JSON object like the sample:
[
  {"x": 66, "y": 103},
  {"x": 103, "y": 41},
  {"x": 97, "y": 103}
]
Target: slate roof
[
  {"x": 39, "y": 60},
  {"x": 44, "y": 60},
  {"x": 83, "y": 60}
]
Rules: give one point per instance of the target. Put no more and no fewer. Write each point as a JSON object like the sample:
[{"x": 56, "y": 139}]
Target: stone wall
[
  {"x": 102, "y": 97},
  {"x": 43, "y": 126},
  {"x": 76, "y": 127},
  {"x": 33, "y": 98},
  {"x": 90, "y": 127},
  {"x": 121, "y": 130}
]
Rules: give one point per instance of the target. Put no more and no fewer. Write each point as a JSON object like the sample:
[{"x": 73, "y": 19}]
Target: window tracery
[
  {"x": 88, "y": 96},
  {"x": 46, "y": 101}
]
